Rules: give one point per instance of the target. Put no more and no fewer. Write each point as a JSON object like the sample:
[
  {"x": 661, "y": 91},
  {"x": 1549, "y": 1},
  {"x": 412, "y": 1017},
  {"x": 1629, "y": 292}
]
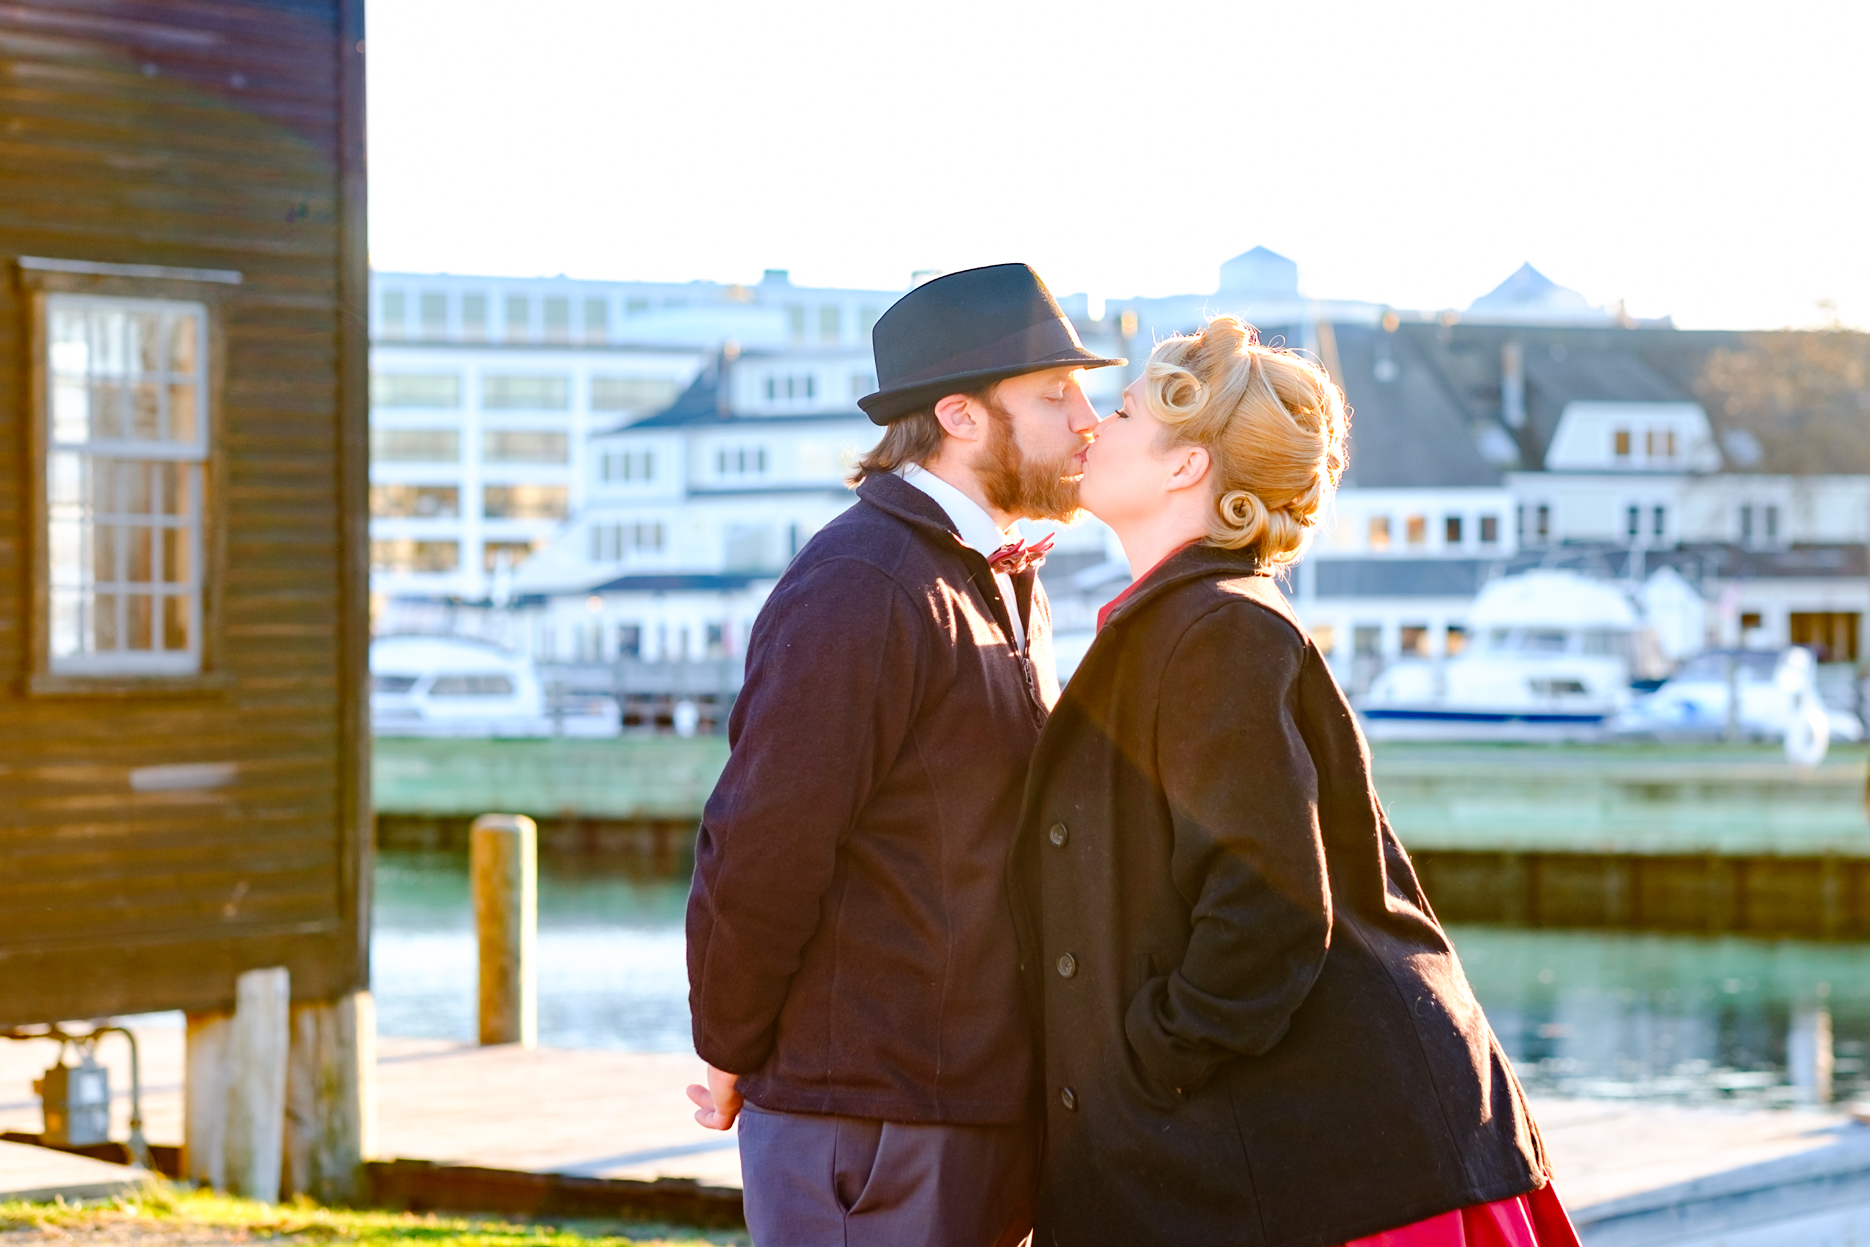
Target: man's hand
[{"x": 719, "y": 1102}]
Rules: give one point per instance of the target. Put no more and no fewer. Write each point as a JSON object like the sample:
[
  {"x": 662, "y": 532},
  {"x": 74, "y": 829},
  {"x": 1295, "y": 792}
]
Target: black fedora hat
[{"x": 961, "y": 331}]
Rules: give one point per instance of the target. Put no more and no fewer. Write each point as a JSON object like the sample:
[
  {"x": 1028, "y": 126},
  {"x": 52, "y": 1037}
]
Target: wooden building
[{"x": 183, "y": 718}]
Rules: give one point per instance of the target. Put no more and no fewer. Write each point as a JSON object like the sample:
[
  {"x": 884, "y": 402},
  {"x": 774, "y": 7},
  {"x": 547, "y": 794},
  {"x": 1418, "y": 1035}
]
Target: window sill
[{"x": 203, "y": 684}]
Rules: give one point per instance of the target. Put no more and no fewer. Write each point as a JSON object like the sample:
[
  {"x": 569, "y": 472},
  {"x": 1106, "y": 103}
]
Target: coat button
[
  {"x": 1059, "y": 834},
  {"x": 1068, "y": 1098},
  {"x": 1067, "y": 966}
]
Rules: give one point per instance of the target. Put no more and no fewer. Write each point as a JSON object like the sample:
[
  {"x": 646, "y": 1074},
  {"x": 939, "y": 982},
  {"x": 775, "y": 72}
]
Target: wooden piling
[
  {"x": 235, "y": 1123},
  {"x": 331, "y": 1101},
  {"x": 503, "y": 858}
]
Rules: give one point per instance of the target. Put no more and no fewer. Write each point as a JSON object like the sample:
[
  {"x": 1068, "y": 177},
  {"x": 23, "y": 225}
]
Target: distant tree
[{"x": 1794, "y": 402}]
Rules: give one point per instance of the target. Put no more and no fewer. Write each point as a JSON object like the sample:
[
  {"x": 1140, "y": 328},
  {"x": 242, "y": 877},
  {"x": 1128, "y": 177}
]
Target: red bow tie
[{"x": 1016, "y": 556}]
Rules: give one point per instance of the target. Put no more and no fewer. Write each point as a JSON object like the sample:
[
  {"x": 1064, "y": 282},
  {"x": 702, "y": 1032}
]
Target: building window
[
  {"x": 1746, "y": 523},
  {"x": 1451, "y": 530},
  {"x": 557, "y": 318},
  {"x": 126, "y": 457},
  {"x": 525, "y": 446},
  {"x": 474, "y": 317},
  {"x": 1543, "y": 527},
  {"x": 1772, "y": 523},
  {"x": 610, "y": 542},
  {"x": 434, "y": 306},
  {"x": 1659, "y": 522},
  {"x": 740, "y": 461},
  {"x": 1622, "y": 441},
  {"x": 628, "y": 465},
  {"x": 1415, "y": 640},
  {"x": 404, "y": 556},
  {"x": 415, "y": 501},
  {"x": 866, "y": 320},
  {"x": 629, "y": 640},
  {"x": 830, "y": 325},
  {"x": 862, "y": 383},
  {"x": 1367, "y": 641},
  {"x": 1490, "y": 530},
  {"x": 1325, "y": 637},
  {"x": 395, "y": 314},
  {"x": 631, "y": 393},
  {"x": 525, "y": 393},
  {"x": 795, "y": 321},
  {"x": 510, "y": 554},
  {"x": 1454, "y": 640},
  {"x": 525, "y": 502},
  {"x": 1831, "y": 636},
  {"x": 415, "y": 445},
  {"x": 518, "y": 318},
  {"x": 636, "y": 307},
  {"x": 596, "y": 320},
  {"x": 1379, "y": 532},
  {"x": 1634, "y": 523},
  {"x": 1416, "y": 526},
  {"x": 407, "y": 389}
]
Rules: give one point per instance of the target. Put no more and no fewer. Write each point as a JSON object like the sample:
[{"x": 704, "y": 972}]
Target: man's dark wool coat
[
  {"x": 850, "y": 938},
  {"x": 1255, "y": 1031}
]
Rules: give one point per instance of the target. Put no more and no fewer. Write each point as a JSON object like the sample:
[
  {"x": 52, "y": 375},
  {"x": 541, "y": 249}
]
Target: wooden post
[
  {"x": 503, "y": 858},
  {"x": 331, "y": 1101},
  {"x": 235, "y": 1125}
]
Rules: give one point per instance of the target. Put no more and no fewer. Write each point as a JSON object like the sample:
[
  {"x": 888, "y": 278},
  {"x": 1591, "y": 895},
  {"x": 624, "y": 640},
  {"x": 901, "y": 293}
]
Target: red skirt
[{"x": 1535, "y": 1219}]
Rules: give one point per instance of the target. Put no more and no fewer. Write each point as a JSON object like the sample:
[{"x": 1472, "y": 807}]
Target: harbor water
[{"x": 1599, "y": 1013}]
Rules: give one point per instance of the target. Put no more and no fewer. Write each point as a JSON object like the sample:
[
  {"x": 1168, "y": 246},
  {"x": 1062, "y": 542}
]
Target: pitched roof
[{"x": 1407, "y": 429}]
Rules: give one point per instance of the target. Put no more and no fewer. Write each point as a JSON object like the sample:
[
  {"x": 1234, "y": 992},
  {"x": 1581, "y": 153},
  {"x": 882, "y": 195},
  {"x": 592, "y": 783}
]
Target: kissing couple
[{"x": 1141, "y": 963}]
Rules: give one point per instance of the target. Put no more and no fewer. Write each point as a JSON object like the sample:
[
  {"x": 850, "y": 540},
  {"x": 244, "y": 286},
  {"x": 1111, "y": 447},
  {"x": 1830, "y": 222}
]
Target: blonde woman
[{"x": 1255, "y": 1031}]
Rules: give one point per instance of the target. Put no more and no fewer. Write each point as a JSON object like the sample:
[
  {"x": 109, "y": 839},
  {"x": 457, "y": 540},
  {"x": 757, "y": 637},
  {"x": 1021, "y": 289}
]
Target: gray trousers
[{"x": 854, "y": 1182}]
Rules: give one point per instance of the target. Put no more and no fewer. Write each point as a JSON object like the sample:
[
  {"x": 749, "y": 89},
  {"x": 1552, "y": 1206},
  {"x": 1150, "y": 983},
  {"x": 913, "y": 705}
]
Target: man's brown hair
[{"x": 914, "y": 438}]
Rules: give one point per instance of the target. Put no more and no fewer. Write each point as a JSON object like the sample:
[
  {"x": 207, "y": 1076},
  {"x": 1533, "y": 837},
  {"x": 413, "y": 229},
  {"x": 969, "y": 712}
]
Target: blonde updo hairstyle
[{"x": 1273, "y": 425}]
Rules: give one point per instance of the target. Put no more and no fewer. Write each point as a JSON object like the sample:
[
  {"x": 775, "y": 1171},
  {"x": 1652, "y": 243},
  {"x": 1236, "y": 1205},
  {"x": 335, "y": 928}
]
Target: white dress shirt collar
[
  {"x": 977, "y": 530},
  {"x": 971, "y": 520}
]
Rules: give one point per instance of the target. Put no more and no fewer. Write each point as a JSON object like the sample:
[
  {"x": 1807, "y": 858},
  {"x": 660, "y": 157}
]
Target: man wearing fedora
[{"x": 853, "y": 969}]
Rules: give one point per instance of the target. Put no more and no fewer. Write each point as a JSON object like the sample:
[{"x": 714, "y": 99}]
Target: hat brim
[{"x": 886, "y": 406}]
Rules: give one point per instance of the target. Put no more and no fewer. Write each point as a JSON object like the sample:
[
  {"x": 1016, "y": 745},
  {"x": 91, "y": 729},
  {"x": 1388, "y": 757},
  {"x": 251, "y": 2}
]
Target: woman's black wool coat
[{"x": 1255, "y": 1031}]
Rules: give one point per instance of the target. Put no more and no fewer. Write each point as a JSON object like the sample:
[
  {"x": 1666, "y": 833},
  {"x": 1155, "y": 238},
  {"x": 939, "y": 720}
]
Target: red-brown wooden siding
[{"x": 221, "y": 135}]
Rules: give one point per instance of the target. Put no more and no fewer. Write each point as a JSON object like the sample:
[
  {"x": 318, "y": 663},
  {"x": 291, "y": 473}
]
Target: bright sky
[{"x": 1703, "y": 160}]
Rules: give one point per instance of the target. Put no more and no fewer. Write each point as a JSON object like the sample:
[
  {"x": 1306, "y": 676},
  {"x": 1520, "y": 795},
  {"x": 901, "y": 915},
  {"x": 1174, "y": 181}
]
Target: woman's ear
[
  {"x": 1188, "y": 467},
  {"x": 956, "y": 412}
]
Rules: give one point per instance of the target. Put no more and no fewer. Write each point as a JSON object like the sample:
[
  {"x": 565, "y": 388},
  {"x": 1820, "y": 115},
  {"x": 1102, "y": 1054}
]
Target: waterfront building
[
  {"x": 487, "y": 390},
  {"x": 1568, "y": 438},
  {"x": 183, "y": 363}
]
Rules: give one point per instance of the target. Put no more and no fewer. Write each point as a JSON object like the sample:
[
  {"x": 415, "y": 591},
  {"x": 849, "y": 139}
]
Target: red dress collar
[{"x": 1103, "y": 613}]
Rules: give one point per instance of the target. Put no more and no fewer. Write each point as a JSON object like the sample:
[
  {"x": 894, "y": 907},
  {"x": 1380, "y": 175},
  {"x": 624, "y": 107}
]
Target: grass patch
[{"x": 164, "y": 1213}]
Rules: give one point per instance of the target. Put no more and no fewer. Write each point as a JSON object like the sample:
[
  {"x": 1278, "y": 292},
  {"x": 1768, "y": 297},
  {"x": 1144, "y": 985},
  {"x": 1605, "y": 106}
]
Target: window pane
[
  {"x": 175, "y": 622},
  {"x": 184, "y": 343},
  {"x": 631, "y": 393},
  {"x": 175, "y": 556},
  {"x": 511, "y": 553},
  {"x": 141, "y": 621},
  {"x": 525, "y": 502},
  {"x": 557, "y": 318},
  {"x": 434, "y": 314},
  {"x": 518, "y": 317},
  {"x": 415, "y": 445},
  {"x": 525, "y": 446},
  {"x": 474, "y": 316},
  {"x": 596, "y": 319},
  {"x": 415, "y": 501},
  {"x": 139, "y": 565},
  {"x": 398, "y": 389},
  {"x": 404, "y": 555},
  {"x": 539, "y": 393}
]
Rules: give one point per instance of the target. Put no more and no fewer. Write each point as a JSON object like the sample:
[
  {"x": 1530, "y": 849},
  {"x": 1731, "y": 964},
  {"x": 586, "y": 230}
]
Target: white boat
[
  {"x": 454, "y": 686},
  {"x": 1772, "y": 695},
  {"x": 1552, "y": 649}
]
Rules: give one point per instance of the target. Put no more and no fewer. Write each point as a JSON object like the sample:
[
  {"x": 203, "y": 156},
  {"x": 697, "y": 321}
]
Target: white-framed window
[
  {"x": 740, "y": 461},
  {"x": 610, "y": 542},
  {"x": 627, "y": 465},
  {"x": 127, "y": 428}
]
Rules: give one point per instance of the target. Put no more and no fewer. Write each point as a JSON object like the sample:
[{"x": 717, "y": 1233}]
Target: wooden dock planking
[
  {"x": 624, "y": 1115},
  {"x": 588, "y": 1114}
]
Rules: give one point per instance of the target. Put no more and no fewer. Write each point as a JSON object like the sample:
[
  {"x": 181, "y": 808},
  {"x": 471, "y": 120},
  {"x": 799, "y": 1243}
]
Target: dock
[{"x": 1633, "y": 1173}]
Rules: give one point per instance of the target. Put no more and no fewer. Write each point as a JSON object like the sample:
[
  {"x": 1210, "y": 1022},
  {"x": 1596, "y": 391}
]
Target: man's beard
[{"x": 1023, "y": 486}]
